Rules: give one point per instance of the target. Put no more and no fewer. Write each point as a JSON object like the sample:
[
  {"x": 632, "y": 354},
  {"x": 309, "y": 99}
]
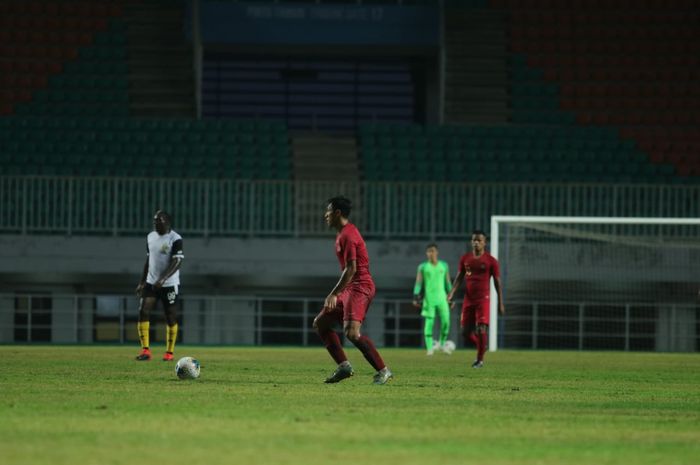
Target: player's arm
[
  {"x": 142, "y": 281},
  {"x": 174, "y": 265},
  {"x": 499, "y": 293},
  {"x": 345, "y": 277},
  {"x": 455, "y": 285},
  {"x": 417, "y": 287},
  {"x": 496, "y": 273},
  {"x": 144, "y": 274},
  {"x": 448, "y": 284}
]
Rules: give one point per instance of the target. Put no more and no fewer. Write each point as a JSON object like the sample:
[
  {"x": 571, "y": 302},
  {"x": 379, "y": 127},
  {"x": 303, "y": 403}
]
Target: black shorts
[{"x": 167, "y": 295}]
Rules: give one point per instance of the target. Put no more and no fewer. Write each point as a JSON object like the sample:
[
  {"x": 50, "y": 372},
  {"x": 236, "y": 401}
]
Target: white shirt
[{"x": 160, "y": 250}]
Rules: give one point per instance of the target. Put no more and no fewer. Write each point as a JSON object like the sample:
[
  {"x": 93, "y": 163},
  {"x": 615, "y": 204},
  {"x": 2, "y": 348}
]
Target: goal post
[{"x": 609, "y": 234}]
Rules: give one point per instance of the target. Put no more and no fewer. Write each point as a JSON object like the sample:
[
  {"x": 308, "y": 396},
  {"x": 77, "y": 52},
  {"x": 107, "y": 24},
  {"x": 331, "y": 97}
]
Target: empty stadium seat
[
  {"x": 82, "y": 146},
  {"x": 504, "y": 153},
  {"x": 615, "y": 66}
]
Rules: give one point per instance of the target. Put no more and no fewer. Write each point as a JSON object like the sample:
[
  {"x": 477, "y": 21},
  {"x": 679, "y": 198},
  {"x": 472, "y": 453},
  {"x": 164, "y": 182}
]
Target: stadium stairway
[
  {"x": 476, "y": 57},
  {"x": 160, "y": 59},
  {"x": 320, "y": 157},
  {"x": 628, "y": 65},
  {"x": 325, "y": 158}
]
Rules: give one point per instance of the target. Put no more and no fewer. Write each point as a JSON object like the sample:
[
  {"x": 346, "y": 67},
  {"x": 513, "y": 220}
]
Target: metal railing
[
  {"x": 601, "y": 326},
  {"x": 123, "y": 206},
  {"x": 238, "y": 320},
  {"x": 222, "y": 320}
]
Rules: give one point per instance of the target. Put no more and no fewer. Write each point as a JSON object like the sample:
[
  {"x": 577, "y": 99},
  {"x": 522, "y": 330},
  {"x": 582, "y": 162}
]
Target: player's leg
[
  {"x": 323, "y": 324},
  {"x": 469, "y": 335},
  {"x": 428, "y": 313},
  {"x": 428, "y": 323},
  {"x": 468, "y": 324},
  {"x": 169, "y": 297},
  {"x": 443, "y": 311},
  {"x": 355, "y": 308},
  {"x": 143, "y": 327},
  {"x": 481, "y": 319},
  {"x": 369, "y": 351},
  {"x": 482, "y": 334}
]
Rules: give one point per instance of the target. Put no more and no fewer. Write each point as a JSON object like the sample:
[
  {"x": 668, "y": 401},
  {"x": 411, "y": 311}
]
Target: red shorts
[
  {"x": 477, "y": 313},
  {"x": 353, "y": 304}
]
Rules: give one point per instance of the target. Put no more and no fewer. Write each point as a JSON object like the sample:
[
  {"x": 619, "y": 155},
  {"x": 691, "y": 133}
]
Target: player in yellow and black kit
[{"x": 160, "y": 281}]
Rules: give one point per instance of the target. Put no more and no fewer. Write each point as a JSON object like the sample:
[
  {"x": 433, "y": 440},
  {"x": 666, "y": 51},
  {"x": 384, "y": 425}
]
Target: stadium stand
[
  {"x": 579, "y": 111},
  {"x": 145, "y": 148},
  {"x": 524, "y": 153},
  {"x": 627, "y": 65},
  {"x": 47, "y": 48},
  {"x": 66, "y": 105}
]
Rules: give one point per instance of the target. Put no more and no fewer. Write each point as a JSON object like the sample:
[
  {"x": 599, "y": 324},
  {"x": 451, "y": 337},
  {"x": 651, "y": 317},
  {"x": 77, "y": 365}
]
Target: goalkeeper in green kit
[{"x": 433, "y": 279}]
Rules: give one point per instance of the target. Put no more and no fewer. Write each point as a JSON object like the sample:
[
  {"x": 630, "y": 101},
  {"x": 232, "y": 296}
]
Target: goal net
[{"x": 592, "y": 283}]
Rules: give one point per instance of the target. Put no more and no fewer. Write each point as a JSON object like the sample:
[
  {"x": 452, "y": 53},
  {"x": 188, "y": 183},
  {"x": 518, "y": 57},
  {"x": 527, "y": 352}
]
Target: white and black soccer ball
[
  {"x": 187, "y": 368},
  {"x": 449, "y": 347}
]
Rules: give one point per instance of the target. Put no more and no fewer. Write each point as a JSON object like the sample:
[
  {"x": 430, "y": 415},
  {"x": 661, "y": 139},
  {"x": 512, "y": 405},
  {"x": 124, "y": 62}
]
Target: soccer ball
[
  {"x": 187, "y": 368},
  {"x": 449, "y": 347}
]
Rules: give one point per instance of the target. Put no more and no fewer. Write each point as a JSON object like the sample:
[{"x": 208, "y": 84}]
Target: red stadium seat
[
  {"x": 51, "y": 9},
  {"x": 115, "y": 10},
  {"x": 99, "y": 10},
  {"x": 568, "y": 103},
  {"x": 71, "y": 23},
  {"x": 584, "y": 118},
  {"x": 39, "y": 82},
  {"x": 569, "y": 90},
  {"x": 20, "y": 37},
  {"x": 551, "y": 74},
  {"x": 685, "y": 170}
]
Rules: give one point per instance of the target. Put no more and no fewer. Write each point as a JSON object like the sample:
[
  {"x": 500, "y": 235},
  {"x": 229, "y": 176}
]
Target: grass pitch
[{"x": 95, "y": 405}]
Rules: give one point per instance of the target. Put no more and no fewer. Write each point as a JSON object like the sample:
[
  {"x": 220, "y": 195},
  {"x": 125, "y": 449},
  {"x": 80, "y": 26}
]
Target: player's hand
[
  {"x": 139, "y": 289},
  {"x": 417, "y": 301},
  {"x": 158, "y": 284},
  {"x": 451, "y": 303},
  {"x": 331, "y": 302},
  {"x": 501, "y": 309}
]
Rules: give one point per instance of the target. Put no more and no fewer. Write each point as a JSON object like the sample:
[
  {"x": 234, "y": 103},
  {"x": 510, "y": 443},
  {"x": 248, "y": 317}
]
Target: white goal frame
[{"x": 496, "y": 220}]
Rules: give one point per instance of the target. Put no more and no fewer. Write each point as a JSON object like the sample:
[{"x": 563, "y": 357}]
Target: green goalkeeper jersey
[{"x": 435, "y": 284}]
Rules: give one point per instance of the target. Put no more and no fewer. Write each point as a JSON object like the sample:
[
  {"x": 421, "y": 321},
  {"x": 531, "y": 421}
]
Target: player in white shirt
[{"x": 160, "y": 281}]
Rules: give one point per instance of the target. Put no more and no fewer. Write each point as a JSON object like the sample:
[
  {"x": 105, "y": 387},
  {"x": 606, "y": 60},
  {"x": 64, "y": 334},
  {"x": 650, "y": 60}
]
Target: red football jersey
[
  {"x": 477, "y": 275},
  {"x": 349, "y": 245}
]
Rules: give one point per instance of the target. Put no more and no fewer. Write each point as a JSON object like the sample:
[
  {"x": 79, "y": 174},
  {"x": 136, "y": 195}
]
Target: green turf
[{"x": 95, "y": 405}]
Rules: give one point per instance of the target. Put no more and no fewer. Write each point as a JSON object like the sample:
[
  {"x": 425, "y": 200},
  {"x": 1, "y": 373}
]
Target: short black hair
[
  {"x": 341, "y": 203},
  {"x": 432, "y": 244},
  {"x": 168, "y": 217},
  {"x": 479, "y": 231}
]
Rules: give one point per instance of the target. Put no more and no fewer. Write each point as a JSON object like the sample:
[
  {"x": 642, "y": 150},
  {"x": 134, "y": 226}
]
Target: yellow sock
[
  {"x": 143, "y": 328},
  {"x": 170, "y": 338}
]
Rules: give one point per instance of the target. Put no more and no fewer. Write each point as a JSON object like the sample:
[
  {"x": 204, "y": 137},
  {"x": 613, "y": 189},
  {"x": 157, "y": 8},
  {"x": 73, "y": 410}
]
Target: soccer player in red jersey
[
  {"x": 349, "y": 300},
  {"x": 478, "y": 266}
]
